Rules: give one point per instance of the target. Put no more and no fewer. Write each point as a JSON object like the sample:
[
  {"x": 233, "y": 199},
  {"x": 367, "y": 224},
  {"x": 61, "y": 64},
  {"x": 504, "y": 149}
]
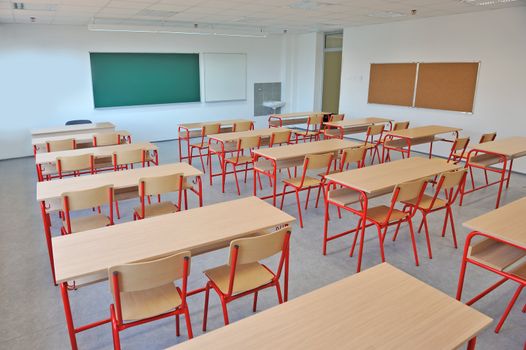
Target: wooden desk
[
  {"x": 403, "y": 140},
  {"x": 198, "y": 230},
  {"x": 380, "y": 308},
  {"x": 291, "y": 156},
  {"x": 504, "y": 243},
  {"x": 278, "y": 120},
  {"x": 82, "y": 140},
  {"x": 49, "y": 192},
  {"x": 354, "y": 126},
  {"x": 98, "y": 152},
  {"x": 73, "y": 129},
  {"x": 378, "y": 179},
  {"x": 187, "y": 131},
  {"x": 486, "y": 155}
]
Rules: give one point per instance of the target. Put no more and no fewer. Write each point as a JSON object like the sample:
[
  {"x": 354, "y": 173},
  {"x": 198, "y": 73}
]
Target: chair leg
[
  {"x": 255, "y": 303},
  {"x": 299, "y": 207},
  {"x": 117, "y": 210},
  {"x": 246, "y": 172},
  {"x": 235, "y": 177},
  {"x": 207, "y": 297},
  {"x": 381, "y": 242},
  {"x": 428, "y": 240},
  {"x": 412, "y": 232},
  {"x": 453, "y": 227},
  {"x": 202, "y": 161},
  {"x": 177, "y": 328},
  {"x": 318, "y": 196},
  {"x": 308, "y": 196},
  {"x": 283, "y": 196},
  {"x": 278, "y": 291},
  {"x": 508, "y": 308},
  {"x": 351, "y": 253},
  {"x": 396, "y": 231},
  {"x": 188, "y": 323},
  {"x": 225, "y": 311},
  {"x": 115, "y": 329}
]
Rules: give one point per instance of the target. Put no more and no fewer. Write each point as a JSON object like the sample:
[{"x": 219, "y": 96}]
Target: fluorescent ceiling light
[
  {"x": 173, "y": 30},
  {"x": 309, "y": 5},
  {"x": 486, "y": 2},
  {"x": 386, "y": 14}
]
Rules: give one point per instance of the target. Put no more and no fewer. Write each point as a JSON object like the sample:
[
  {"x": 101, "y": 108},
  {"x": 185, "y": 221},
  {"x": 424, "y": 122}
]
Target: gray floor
[{"x": 31, "y": 309}]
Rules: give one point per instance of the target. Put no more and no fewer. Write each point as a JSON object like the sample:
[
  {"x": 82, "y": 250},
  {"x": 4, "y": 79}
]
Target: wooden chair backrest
[
  {"x": 211, "y": 129},
  {"x": 408, "y": 191},
  {"x": 460, "y": 143},
  {"x": 90, "y": 198},
  {"x": 318, "y": 161},
  {"x": 316, "y": 119},
  {"x": 257, "y": 248},
  {"x": 128, "y": 157},
  {"x": 249, "y": 142},
  {"x": 75, "y": 163},
  {"x": 151, "y": 274},
  {"x": 60, "y": 145},
  {"x": 280, "y": 137},
  {"x": 376, "y": 129},
  {"x": 242, "y": 126},
  {"x": 106, "y": 139},
  {"x": 401, "y": 125},
  {"x": 452, "y": 179},
  {"x": 353, "y": 155},
  {"x": 160, "y": 184},
  {"x": 337, "y": 117},
  {"x": 488, "y": 137}
]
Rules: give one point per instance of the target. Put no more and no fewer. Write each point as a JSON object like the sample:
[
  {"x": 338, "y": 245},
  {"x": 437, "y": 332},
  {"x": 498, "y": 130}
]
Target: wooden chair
[
  {"x": 373, "y": 140},
  {"x": 87, "y": 199},
  {"x": 146, "y": 291},
  {"x": 458, "y": 150},
  {"x": 242, "y": 126},
  {"x": 75, "y": 165},
  {"x": 383, "y": 216},
  {"x": 106, "y": 139},
  {"x": 280, "y": 138},
  {"x": 336, "y": 117},
  {"x": 488, "y": 137},
  {"x": 206, "y": 130},
  {"x": 314, "y": 123},
  {"x": 333, "y": 133},
  {"x": 305, "y": 182},
  {"x": 61, "y": 145},
  {"x": 126, "y": 159},
  {"x": 244, "y": 274},
  {"x": 450, "y": 184},
  {"x": 244, "y": 145},
  {"x": 155, "y": 186}
]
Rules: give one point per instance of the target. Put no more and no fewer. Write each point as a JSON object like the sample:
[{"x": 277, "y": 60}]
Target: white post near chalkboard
[{"x": 225, "y": 76}]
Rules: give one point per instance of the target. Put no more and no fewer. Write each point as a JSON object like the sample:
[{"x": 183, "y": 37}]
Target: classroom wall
[
  {"x": 496, "y": 38},
  {"x": 46, "y": 80}
]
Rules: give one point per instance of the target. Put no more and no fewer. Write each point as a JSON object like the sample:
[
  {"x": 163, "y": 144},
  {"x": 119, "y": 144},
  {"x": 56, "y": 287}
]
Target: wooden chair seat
[
  {"x": 308, "y": 182},
  {"x": 425, "y": 202},
  {"x": 240, "y": 159},
  {"x": 248, "y": 276},
  {"x": 150, "y": 302},
  {"x": 332, "y": 132},
  {"x": 305, "y": 132},
  {"x": 379, "y": 214},
  {"x": 157, "y": 209},
  {"x": 495, "y": 254},
  {"x": 228, "y": 147},
  {"x": 344, "y": 196},
  {"x": 89, "y": 223},
  {"x": 520, "y": 271}
]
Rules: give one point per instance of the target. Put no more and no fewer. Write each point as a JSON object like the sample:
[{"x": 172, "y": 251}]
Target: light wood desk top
[
  {"x": 47, "y": 190},
  {"x": 225, "y": 122},
  {"x": 507, "y": 223},
  {"x": 72, "y": 129},
  {"x": 303, "y": 149},
  {"x": 349, "y": 123},
  {"x": 511, "y": 147},
  {"x": 423, "y": 131},
  {"x": 51, "y": 157},
  {"x": 80, "y": 138},
  {"x": 382, "y": 177},
  {"x": 379, "y": 308},
  {"x": 234, "y": 136},
  {"x": 93, "y": 251},
  {"x": 296, "y": 115}
]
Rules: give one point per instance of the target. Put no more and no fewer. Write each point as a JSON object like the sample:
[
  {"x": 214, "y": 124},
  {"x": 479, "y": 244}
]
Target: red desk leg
[
  {"x": 472, "y": 343},
  {"x": 47, "y": 231}
]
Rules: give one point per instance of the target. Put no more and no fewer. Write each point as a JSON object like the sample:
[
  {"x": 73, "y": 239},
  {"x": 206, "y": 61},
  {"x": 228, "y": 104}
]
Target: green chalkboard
[{"x": 129, "y": 79}]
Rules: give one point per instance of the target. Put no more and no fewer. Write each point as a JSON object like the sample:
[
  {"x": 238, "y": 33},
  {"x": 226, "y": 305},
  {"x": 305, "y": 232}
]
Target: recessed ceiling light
[
  {"x": 386, "y": 14},
  {"x": 486, "y": 2}
]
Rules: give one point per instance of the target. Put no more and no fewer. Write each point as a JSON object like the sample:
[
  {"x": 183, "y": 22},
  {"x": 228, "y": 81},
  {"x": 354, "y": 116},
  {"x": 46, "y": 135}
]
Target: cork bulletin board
[{"x": 392, "y": 83}]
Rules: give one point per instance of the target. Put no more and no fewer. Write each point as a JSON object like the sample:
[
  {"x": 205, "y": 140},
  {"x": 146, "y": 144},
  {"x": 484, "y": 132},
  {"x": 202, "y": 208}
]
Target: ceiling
[{"x": 273, "y": 16}]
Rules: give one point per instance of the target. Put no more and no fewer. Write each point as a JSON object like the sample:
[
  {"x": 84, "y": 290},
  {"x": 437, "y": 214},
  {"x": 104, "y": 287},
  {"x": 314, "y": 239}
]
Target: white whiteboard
[{"x": 225, "y": 76}]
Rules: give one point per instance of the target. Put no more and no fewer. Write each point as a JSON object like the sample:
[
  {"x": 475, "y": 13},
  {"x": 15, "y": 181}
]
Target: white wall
[
  {"x": 496, "y": 38},
  {"x": 46, "y": 80}
]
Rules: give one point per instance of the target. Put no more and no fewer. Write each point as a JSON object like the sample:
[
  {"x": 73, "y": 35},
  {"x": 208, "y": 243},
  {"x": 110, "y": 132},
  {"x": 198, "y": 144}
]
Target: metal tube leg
[
  {"x": 508, "y": 308},
  {"x": 412, "y": 232},
  {"x": 472, "y": 343},
  {"x": 69, "y": 316},
  {"x": 47, "y": 233},
  {"x": 360, "y": 251}
]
